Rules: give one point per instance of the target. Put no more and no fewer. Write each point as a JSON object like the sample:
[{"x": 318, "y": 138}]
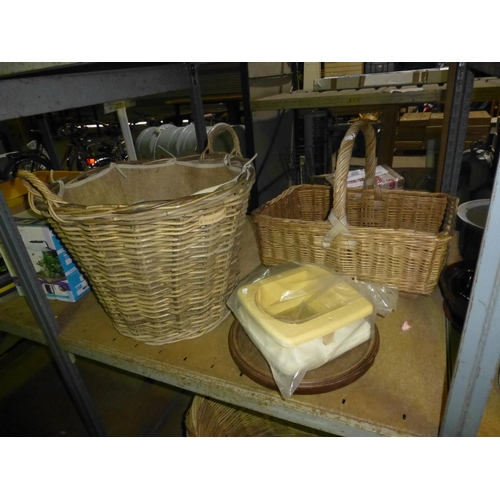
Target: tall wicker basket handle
[
  {"x": 216, "y": 130},
  {"x": 343, "y": 161},
  {"x": 37, "y": 189}
]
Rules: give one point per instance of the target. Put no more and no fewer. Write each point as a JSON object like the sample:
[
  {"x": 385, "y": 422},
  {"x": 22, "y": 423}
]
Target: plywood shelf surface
[{"x": 400, "y": 395}]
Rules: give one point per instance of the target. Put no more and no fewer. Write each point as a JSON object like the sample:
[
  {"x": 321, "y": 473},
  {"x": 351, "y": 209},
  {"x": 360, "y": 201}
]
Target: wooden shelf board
[
  {"x": 398, "y": 162},
  {"x": 485, "y": 89},
  {"x": 407, "y": 377},
  {"x": 16, "y": 317}
]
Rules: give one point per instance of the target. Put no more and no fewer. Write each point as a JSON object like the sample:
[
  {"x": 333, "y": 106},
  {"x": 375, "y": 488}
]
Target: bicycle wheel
[{"x": 31, "y": 163}]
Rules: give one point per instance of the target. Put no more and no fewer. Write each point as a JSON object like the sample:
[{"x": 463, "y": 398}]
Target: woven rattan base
[{"x": 209, "y": 418}]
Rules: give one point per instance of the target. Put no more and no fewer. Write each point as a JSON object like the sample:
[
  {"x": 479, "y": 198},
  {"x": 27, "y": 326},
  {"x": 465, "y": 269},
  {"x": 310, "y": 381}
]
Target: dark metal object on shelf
[
  {"x": 318, "y": 125},
  {"x": 298, "y": 165},
  {"x": 48, "y": 142},
  {"x": 485, "y": 68},
  {"x": 380, "y": 67},
  {"x": 455, "y": 284},
  {"x": 472, "y": 217},
  {"x": 197, "y": 108},
  {"x": 248, "y": 120}
]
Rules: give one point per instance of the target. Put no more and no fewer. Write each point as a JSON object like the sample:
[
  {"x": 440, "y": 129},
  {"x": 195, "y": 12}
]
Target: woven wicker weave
[
  {"x": 162, "y": 270},
  {"x": 397, "y": 238},
  {"x": 209, "y": 418}
]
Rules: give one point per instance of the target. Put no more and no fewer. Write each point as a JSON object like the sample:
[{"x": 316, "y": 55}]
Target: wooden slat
[
  {"x": 473, "y": 132},
  {"x": 334, "y": 98},
  {"x": 414, "y": 120},
  {"x": 398, "y": 162},
  {"x": 380, "y": 79},
  {"x": 476, "y": 118},
  {"x": 484, "y": 90},
  {"x": 343, "y": 69}
]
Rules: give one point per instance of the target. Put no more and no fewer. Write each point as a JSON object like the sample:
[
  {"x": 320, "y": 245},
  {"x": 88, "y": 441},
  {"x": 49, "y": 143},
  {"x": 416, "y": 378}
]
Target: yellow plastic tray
[{"x": 318, "y": 314}]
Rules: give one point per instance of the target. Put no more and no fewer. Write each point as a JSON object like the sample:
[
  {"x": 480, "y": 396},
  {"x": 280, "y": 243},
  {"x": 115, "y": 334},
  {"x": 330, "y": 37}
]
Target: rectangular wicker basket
[
  {"x": 397, "y": 238},
  {"x": 161, "y": 250}
]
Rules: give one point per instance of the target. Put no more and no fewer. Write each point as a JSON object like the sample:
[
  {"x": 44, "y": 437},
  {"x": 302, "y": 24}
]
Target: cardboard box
[
  {"x": 436, "y": 119},
  {"x": 414, "y": 120},
  {"x": 343, "y": 68},
  {"x": 474, "y": 132},
  {"x": 386, "y": 178},
  {"x": 476, "y": 119},
  {"x": 412, "y": 127},
  {"x": 58, "y": 274}
]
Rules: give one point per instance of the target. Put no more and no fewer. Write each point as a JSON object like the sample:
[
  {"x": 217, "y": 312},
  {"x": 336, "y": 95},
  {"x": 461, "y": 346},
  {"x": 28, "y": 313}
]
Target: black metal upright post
[
  {"x": 48, "y": 142},
  {"x": 457, "y": 130},
  {"x": 11, "y": 239},
  {"x": 197, "y": 108},
  {"x": 249, "y": 139}
]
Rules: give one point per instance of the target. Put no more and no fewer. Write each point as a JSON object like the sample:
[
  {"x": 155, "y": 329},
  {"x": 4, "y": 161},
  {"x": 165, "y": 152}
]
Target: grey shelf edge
[{"x": 35, "y": 95}]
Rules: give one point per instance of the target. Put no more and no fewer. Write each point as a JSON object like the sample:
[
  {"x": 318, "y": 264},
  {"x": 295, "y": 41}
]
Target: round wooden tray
[{"x": 333, "y": 375}]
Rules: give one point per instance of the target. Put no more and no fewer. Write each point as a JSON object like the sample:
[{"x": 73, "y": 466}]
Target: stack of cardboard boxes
[{"x": 416, "y": 129}]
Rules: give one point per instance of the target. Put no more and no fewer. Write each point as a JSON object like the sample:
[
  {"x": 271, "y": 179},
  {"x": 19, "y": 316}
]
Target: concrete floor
[{"x": 34, "y": 401}]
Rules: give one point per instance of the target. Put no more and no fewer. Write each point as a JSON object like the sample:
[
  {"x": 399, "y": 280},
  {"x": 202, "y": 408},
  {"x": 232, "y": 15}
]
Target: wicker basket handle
[
  {"x": 38, "y": 189},
  {"x": 343, "y": 161},
  {"x": 216, "y": 130}
]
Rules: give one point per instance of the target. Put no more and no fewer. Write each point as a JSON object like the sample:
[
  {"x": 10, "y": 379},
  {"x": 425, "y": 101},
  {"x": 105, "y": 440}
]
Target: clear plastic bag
[{"x": 303, "y": 316}]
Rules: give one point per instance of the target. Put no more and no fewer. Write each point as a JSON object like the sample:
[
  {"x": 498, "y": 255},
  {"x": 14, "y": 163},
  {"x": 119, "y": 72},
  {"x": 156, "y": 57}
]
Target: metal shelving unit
[
  {"x": 477, "y": 363},
  {"x": 31, "y": 94},
  {"x": 388, "y": 400},
  {"x": 480, "y": 346}
]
